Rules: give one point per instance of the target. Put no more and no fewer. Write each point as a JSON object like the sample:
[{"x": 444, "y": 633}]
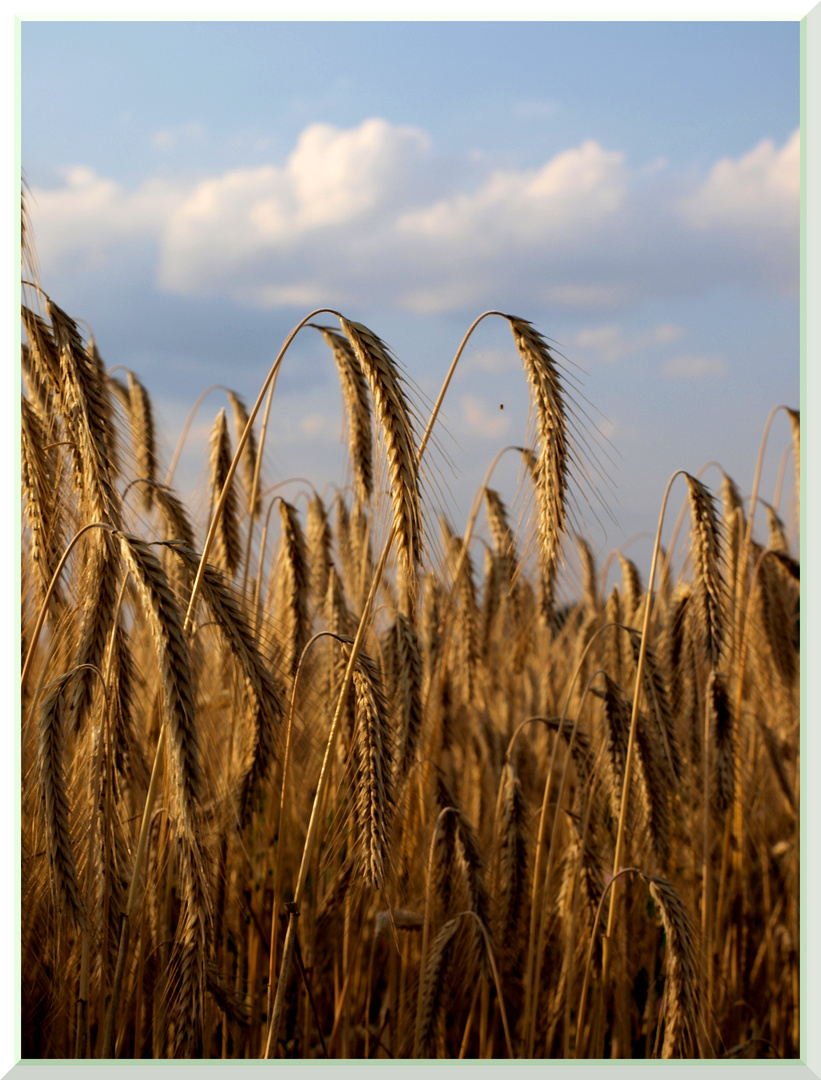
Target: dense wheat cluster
[{"x": 317, "y": 774}]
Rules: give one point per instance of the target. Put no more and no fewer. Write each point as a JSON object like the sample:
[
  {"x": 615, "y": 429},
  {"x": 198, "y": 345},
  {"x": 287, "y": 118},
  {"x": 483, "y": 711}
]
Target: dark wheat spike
[
  {"x": 513, "y": 861},
  {"x": 408, "y": 698},
  {"x": 372, "y": 776},
  {"x": 160, "y": 609},
  {"x": 107, "y": 405},
  {"x": 658, "y": 702},
  {"x": 434, "y": 990},
  {"x": 51, "y": 768},
  {"x": 722, "y": 721},
  {"x": 654, "y": 783},
  {"x": 617, "y": 714},
  {"x": 682, "y": 991}
]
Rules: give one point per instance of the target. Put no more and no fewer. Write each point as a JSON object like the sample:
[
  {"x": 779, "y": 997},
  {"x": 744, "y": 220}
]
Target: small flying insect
[{"x": 501, "y": 406}]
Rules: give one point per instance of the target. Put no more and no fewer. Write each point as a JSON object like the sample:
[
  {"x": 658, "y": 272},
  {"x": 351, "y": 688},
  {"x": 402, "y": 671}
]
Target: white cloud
[
  {"x": 757, "y": 194},
  {"x": 86, "y": 220},
  {"x": 372, "y": 211},
  {"x": 695, "y": 367},
  {"x": 559, "y": 204},
  {"x": 610, "y": 344}
]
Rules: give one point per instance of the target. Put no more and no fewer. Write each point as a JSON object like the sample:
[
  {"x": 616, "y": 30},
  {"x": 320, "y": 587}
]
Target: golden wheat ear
[
  {"x": 293, "y": 586},
  {"x": 227, "y": 547},
  {"x": 395, "y": 420},
  {"x": 248, "y": 462},
  {"x": 551, "y": 475},
  {"x": 373, "y": 754},
  {"x": 706, "y": 556},
  {"x": 267, "y": 705},
  {"x": 143, "y": 436},
  {"x": 358, "y": 409}
]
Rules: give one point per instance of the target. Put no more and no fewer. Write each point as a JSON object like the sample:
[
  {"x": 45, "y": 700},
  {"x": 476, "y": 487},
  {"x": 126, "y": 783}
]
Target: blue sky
[{"x": 631, "y": 188}]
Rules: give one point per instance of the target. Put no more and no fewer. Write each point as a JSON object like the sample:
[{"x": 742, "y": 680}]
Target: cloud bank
[{"x": 374, "y": 211}]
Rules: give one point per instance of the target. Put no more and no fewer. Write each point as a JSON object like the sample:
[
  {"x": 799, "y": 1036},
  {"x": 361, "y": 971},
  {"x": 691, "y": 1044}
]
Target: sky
[
  {"x": 631, "y": 188},
  {"x": 195, "y": 189}
]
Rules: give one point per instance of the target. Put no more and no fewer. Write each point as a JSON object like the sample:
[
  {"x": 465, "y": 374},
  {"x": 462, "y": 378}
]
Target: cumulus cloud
[
  {"x": 559, "y": 204},
  {"x": 82, "y": 223},
  {"x": 373, "y": 211},
  {"x": 758, "y": 193}
]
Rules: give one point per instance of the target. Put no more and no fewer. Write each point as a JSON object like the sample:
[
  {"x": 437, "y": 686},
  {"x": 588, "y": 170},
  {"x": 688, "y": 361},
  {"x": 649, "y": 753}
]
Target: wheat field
[{"x": 341, "y": 777}]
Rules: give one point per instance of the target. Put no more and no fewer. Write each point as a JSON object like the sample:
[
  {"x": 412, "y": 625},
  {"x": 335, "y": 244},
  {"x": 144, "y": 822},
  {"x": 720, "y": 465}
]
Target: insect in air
[{"x": 501, "y": 406}]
